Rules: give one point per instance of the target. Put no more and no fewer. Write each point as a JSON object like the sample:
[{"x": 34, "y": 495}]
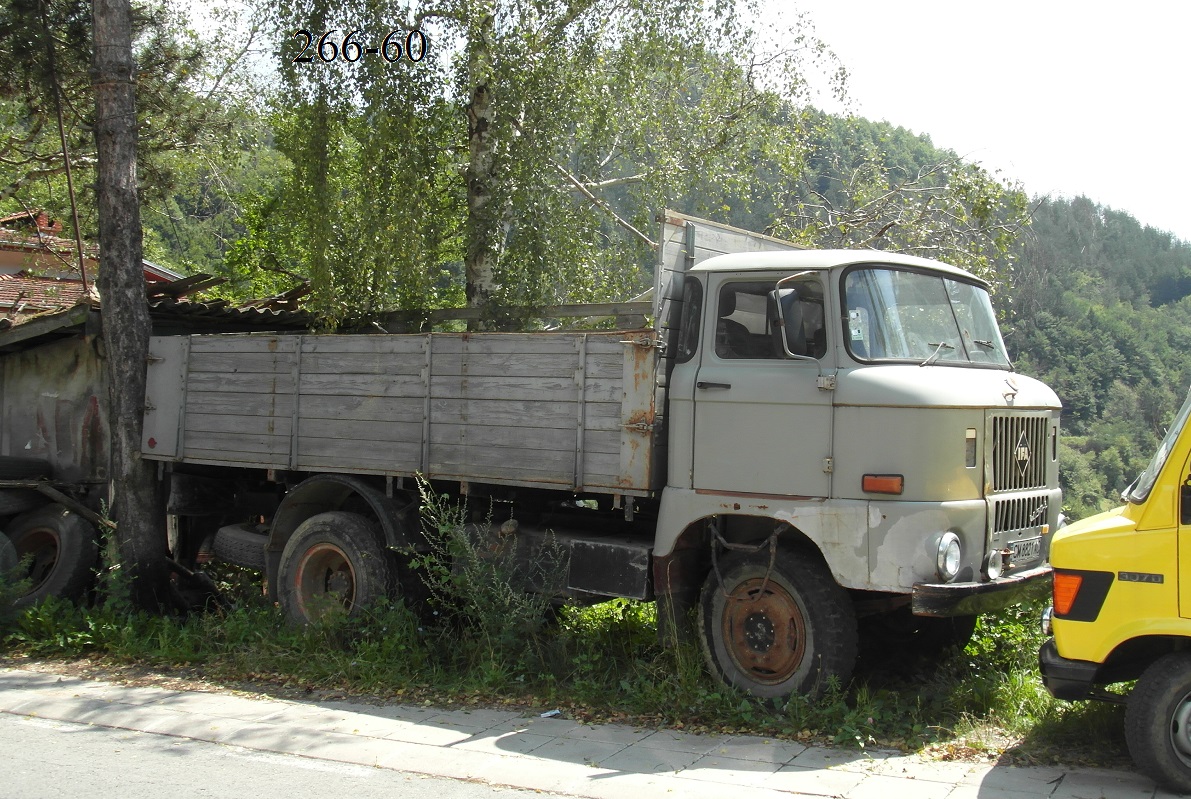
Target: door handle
[{"x": 702, "y": 384}]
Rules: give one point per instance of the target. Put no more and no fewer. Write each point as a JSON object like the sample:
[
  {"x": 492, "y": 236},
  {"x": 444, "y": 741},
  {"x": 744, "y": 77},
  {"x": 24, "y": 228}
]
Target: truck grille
[
  {"x": 1019, "y": 452},
  {"x": 1020, "y": 513}
]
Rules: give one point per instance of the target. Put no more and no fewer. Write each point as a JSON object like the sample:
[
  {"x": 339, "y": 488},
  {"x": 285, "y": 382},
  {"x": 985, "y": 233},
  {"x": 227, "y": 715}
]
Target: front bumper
[
  {"x": 1066, "y": 679},
  {"x": 970, "y": 599}
]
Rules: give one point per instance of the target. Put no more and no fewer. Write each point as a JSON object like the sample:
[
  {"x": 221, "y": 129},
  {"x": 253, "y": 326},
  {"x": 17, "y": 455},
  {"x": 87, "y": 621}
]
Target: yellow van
[{"x": 1120, "y": 611}]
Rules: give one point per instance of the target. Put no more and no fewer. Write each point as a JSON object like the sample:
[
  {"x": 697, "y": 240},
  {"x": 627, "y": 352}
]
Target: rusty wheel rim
[
  {"x": 764, "y": 631},
  {"x": 42, "y": 546},
  {"x": 325, "y": 581}
]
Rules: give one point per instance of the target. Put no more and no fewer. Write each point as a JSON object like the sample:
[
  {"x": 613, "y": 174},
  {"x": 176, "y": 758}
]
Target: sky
[{"x": 1070, "y": 98}]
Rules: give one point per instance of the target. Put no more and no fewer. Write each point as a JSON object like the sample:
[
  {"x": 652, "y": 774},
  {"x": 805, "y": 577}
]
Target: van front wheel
[
  {"x": 773, "y": 632},
  {"x": 1158, "y": 721}
]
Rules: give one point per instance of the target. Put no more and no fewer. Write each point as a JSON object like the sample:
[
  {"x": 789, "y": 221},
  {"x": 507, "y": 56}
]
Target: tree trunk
[
  {"x": 136, "y": 500},
  {"x": 485, "y": 223}
]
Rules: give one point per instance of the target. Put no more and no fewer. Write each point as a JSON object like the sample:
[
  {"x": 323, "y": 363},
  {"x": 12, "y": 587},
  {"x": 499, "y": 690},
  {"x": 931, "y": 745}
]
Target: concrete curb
[{"x": 509, "y": 749}]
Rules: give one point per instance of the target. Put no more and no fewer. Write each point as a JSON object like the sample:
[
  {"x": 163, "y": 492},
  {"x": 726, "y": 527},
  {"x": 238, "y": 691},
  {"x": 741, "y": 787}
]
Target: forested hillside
[
  {"x": 1093, "y": 302},
  {"x": 1100, "y": 310}
]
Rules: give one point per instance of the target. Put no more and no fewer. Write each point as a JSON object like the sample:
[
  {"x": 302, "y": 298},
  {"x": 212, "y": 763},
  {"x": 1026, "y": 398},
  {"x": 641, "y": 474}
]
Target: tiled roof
[
  {"x": 42, "y": 296},
  {"x": 24, "y": 296},
  {"x": 20, "y": 239},
  {"x": 43, "y": 221}
]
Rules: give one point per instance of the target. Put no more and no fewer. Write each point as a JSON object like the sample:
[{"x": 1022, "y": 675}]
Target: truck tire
[
  {"x": 1158, "y": 721},
  {"x": 19, "y": 500},
  {"x": 13, "y": 467},
  {"x": 334, "y": 564},
  {"x": 776, "y": 632},
  {"x": 241, "y": 545},
  {"x": 62, "y": 553}
]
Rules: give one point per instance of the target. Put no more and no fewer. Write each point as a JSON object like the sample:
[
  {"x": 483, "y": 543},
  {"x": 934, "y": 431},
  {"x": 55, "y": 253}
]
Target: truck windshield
[
  {"x": 1145, "y": 482},
  {"x": 902, "y": 315}
]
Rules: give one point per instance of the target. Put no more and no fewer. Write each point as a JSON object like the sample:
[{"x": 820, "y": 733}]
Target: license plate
[{"x": 1026, "y": 549}]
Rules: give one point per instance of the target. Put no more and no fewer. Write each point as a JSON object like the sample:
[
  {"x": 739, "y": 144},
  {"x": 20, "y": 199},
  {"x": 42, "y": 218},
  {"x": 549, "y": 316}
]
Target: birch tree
[{"x": 533, "y": 141}]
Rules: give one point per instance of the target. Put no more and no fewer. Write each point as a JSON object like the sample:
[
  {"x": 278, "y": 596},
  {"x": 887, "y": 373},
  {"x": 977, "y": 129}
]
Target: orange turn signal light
[
  {"x": 1066, "y": 586},
  {"x": 883, "y": 483}
]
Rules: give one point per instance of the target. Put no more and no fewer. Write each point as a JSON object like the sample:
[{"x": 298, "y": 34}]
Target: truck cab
[
  {"x": 1121, "y": 612},
  {"x": 852, "y": 413}
]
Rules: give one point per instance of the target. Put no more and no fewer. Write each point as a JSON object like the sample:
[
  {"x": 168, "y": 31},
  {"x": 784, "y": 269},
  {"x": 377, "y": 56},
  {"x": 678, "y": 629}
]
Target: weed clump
[
  {"x": 491, "y": 592},
  {"x": 14, "y": 583}
]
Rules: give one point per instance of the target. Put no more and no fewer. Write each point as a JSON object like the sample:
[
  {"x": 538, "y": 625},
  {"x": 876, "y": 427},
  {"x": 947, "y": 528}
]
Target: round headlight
[
  {"x": 950, "y": 556},
  {"x": 994, "y": 565}
]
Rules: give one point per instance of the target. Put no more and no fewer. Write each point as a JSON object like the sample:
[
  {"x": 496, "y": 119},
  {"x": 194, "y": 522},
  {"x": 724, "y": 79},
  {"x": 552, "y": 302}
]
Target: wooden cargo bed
[{"x": 555, "y": 410}]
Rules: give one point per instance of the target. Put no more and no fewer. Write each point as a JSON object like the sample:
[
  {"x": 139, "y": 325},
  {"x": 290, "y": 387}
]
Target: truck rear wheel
[
  {"x": 1158, "y": 721},
  {"x": 776, "y": 632},
  {"x": 333, "y": 565},
  {"x": 61, "y": 551}
]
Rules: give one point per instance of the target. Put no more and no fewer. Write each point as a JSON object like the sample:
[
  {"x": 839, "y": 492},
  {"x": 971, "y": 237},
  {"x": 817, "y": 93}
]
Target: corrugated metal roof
[
  {"x": 219, "y": 314},
  {"x": 170, "y": 316}
]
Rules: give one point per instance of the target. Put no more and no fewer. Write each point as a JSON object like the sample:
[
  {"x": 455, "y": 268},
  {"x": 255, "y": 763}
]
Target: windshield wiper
[
  {"x": 984, "y": 343},
  {"x": 942, "y": 345}
]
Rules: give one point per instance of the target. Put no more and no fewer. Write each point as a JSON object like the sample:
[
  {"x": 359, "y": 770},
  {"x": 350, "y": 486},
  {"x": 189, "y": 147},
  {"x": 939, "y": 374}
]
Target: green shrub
[
  {"x": 13, "y": 586},
  {"x": 491, "y": 593}
]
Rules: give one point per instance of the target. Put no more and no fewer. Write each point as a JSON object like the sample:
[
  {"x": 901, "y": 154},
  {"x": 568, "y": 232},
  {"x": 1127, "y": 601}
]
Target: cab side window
[
  {"x": 742, "y": 329},
  {"x": 747, "y": 323}
]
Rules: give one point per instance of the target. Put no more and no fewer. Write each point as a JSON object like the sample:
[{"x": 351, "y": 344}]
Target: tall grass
[{"x": 476, "y": 638}]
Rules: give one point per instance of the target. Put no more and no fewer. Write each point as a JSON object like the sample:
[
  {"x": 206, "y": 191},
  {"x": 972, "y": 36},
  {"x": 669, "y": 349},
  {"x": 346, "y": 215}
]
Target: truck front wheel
[
  {"x": 1158, "y": 721},
  {"x": 772, "y": 632},
  {"x": 334, "y": 564}
]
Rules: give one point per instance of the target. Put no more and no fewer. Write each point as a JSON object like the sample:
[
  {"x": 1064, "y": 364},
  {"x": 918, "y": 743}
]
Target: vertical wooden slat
[
  {"x": 581, "y": 409},
  {"x": 296, "y": 374},
  {"x": 428, "y": 347},
  {"x": 184, "y": 371}
]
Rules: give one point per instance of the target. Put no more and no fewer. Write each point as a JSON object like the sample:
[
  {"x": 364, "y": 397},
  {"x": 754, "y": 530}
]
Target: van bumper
[
  {"x": 970, "y": 599},
  {"x": 1066, "y": 679}
]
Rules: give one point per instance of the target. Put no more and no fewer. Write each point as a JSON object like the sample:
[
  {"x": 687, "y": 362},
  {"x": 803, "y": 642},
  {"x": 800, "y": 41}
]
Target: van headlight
[{"x": 950, "y": 556}]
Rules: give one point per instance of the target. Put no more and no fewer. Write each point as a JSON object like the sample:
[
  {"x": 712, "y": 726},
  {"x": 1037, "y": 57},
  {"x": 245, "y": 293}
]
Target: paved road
[
  {"x": 46, "y": 759},
  {"x": 271, "y": 747}
]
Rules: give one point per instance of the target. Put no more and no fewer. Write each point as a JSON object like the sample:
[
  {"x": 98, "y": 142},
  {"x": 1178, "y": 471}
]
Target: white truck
[{"x": 800, "y": 440}]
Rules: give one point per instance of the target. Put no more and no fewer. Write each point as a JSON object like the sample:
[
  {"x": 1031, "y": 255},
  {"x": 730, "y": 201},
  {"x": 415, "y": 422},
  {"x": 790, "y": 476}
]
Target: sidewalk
[{"x": 506, "y": 748}]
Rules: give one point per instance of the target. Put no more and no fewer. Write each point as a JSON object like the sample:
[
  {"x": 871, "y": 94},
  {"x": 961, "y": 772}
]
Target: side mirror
[{"x": 784, "y": 314}]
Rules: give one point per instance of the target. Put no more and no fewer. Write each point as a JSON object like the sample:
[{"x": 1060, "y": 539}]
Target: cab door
[
  {"x": 1184, "y": 543},
  {"x": 762, "y": 420}
]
